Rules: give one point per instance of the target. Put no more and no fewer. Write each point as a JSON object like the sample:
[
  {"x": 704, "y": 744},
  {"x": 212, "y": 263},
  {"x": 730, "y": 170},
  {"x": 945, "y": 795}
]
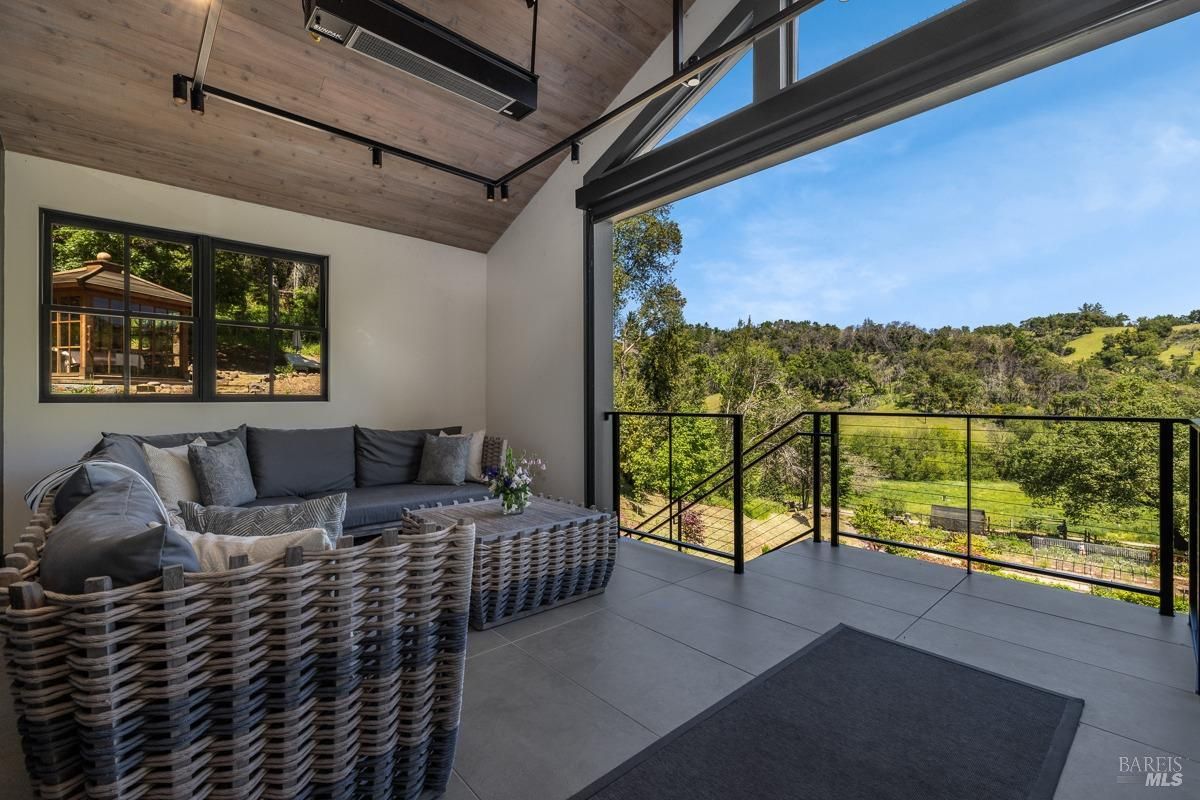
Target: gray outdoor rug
[{"x": 854, "y": 716}]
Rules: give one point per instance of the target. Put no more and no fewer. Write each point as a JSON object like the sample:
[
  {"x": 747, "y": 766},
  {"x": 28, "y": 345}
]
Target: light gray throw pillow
[
  {"x": 326, "y": 513},
  {"x": 223, "y": 474},
  {"x": 444, "y": 460}
]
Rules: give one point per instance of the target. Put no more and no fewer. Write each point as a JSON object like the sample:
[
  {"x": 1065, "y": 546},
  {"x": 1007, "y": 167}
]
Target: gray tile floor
[{"x": 555, "y": 700}]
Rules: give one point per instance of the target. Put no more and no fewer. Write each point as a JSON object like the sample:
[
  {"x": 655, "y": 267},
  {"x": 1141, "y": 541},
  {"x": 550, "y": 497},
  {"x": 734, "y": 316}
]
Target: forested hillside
[
  {"x": 1091, "y": 483},
  {"x": 1064, "y": 363}
]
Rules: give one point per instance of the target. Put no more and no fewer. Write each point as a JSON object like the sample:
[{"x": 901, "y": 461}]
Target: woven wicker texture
[
  {"x": 317, "y": 675},
  {"x": 553, "y": 553}
]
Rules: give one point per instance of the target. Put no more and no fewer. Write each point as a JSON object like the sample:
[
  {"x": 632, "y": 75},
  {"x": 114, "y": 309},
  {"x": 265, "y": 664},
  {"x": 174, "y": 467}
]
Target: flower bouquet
[{"x": 513, "y": 483}]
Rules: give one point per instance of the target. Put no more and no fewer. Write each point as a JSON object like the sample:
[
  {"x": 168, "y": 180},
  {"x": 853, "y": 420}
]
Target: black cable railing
[{"x": 1135, "y": 554}]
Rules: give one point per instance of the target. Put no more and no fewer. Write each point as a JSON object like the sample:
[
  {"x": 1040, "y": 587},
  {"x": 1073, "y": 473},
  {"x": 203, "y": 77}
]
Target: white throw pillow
[
  {"x": 213, "y": 549},
  {"x": 474, "y": 455},
  {"x": 173, "y": 476}
]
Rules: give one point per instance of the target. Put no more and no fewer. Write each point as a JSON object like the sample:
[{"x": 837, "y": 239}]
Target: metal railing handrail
[{"x": 608, "y": 415}]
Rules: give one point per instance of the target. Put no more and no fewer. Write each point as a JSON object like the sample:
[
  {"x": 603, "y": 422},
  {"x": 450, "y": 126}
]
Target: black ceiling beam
[
  {"x": 695, "y": 69},
  {"x": 965, "y": 49}
]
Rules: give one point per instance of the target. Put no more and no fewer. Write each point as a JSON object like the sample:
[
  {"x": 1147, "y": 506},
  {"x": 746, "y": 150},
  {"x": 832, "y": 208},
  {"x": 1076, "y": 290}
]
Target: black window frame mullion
[{"x": 203, "y": 318}]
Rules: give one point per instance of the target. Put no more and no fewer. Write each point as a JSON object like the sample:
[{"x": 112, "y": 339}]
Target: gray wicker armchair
[{"x": 335, "y": 674}]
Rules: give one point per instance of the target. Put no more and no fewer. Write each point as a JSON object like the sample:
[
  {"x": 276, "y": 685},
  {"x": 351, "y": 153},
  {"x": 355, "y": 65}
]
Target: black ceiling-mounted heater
[{"x": 401, "y": 38}]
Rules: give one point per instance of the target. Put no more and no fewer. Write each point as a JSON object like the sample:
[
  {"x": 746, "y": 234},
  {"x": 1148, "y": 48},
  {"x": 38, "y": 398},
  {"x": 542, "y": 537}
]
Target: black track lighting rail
[{"x": 192, "y": 90}]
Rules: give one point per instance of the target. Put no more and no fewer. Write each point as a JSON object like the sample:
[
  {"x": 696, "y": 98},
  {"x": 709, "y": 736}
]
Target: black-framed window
[{"x": 139, "y": 314}]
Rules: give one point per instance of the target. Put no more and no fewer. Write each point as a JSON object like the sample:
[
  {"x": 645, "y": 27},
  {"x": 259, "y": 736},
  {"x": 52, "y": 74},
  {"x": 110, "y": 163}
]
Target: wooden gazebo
[{"x": 91, "y": 346}]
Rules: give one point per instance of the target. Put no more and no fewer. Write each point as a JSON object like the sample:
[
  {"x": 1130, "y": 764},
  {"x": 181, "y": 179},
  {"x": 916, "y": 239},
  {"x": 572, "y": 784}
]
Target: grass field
[
  {"x": 1089, "y": 344},
  {"x": 1006, "y": 506}
]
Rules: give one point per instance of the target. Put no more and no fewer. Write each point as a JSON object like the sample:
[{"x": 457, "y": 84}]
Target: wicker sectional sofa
[{"x": 335, "y": 674}]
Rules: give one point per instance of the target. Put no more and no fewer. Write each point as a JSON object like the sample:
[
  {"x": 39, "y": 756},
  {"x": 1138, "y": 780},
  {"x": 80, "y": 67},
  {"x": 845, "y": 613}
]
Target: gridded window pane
[
  {"x": 160, "y": 356},
  {"x": 73, "y": 246},
  {"x": 298, "y": 289},
  {"x": 298, "y": 363},
  {"x": 243, "y": 359},
  {"x": 241, "y": 286},
  {"x": 86, "y": 268},
  {"x": 160, "y": 276},
  {"x": 87, "y": 354}
]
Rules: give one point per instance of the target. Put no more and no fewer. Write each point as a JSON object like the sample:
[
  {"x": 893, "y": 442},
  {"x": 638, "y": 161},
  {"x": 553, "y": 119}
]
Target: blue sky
[{"x": 1078, "y": 183}]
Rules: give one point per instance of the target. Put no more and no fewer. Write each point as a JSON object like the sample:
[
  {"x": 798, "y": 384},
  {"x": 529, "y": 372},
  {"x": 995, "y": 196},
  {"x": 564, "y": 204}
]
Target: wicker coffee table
[{"x": 551, "y": 554}]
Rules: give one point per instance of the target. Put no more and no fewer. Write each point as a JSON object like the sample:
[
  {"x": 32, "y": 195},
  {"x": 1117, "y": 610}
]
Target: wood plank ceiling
[{"x": 88, "y": 82}]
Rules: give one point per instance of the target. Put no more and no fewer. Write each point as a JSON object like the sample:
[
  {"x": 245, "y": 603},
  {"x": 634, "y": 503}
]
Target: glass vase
[{"x": 512, "y": 504}]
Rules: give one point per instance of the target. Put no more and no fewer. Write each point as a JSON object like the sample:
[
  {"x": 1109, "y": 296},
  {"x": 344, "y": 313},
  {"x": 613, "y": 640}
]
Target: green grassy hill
[{"x": 1089, "y": 344}]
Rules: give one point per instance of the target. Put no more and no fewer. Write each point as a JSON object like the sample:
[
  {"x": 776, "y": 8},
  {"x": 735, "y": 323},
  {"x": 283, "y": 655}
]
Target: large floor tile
[
  {"x": 905, "y": 568},
  {"x": 661, "y": 562},
  {"x": 830, "y": 576},
  {"x": 1149, "y": 712},
  {"x": 458, "y": 789},
  {"x": 738, "y": 636},
  {"x": 800, "y": 605},
  {"x": 1142, "y": 620},
  {"x": 529, "y": 732},
  {"x": 544, "y": 620},
  {"x": 1141, "y": 656},
  {"x": 654, "y": 679},
  {"x": 626, "y": 584},
  {"x": 1093, "y": 770},
  {"x": 481, "y": 641}
]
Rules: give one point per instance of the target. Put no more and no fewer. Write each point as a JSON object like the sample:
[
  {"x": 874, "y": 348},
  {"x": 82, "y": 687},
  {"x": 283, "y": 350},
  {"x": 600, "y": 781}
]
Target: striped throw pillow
[{"x": 326, "y": 513}]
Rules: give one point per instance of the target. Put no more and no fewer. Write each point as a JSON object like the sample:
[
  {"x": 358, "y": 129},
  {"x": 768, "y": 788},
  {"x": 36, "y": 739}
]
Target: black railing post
[
  {"x": 968, "y": 495},
  {"x": 677, "y": 526},
  {"x": 835, "y": 512},
  {"x": 616, "y": 467},
  {"x": 1166, "y": 519},
  {"x": 816, "y": 478},
  {"x": 739, "y": 543},
  {"x": 1194, "y": 542}
]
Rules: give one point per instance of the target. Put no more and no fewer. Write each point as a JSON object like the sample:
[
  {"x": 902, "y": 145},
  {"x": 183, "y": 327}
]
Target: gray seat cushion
[
  {"x": 384, "y": 458},
  {"x": 375, "y": 505},
  {"x": 119, "y": 532},
  {"x": 301, "y": 461}
]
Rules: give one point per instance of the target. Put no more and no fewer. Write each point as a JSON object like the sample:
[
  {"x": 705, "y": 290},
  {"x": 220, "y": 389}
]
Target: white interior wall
[
  {"x": 535, "y": 307},
  {"x": 406, "y": 322}
]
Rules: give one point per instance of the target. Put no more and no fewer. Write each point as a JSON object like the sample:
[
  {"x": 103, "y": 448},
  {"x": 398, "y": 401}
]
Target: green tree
[{"x": 645, "y": 248}]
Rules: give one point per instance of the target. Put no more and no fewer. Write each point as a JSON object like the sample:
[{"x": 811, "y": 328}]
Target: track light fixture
[
  {"x": 491, "y": 193},
  {"x": 376, "y": 158},
  {"x": 197, "y": 99},
  {"x": 179, "y": 89},
  {"x": 574, "y": 152},
  {"x": 504, "y": 193}
]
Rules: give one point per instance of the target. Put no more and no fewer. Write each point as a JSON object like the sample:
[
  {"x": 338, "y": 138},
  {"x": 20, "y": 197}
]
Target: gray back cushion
[
  {"x": 386, "y": 458},
  {"x": 444, "y": 460},
  {"x": 326, "y": 513},
  {"x": 117, "y": 532},
  {"x": 222, "y": 473},
  {"x": 301, "y": 461},
  {"x": 126, "y": 448}
]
